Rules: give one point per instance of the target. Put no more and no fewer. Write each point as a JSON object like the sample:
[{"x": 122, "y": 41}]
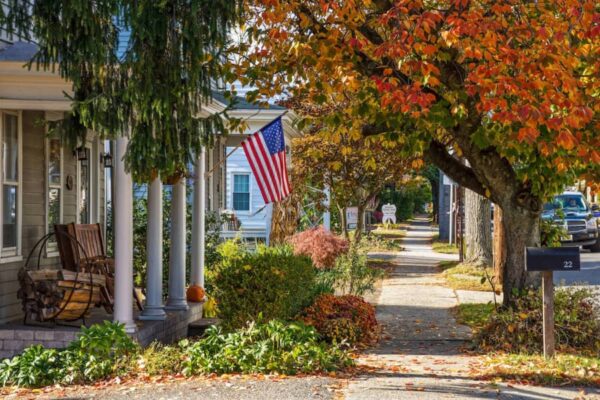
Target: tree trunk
[
  {"x": 522, "y": 230},
  {"x": 478, "y": 229},
  {"x": 343, "y": 221},
  {"x": 359, "y": 224},
  {"x": 499, "y": 246}
]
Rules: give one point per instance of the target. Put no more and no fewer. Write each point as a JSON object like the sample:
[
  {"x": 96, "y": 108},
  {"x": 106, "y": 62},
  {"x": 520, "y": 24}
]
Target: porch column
[
  {"x": 198, "y": 220},
  {"x": 176, "y": 299},
  {"x": 123, "y": 217},
  {"x": 154, "y": 310}
]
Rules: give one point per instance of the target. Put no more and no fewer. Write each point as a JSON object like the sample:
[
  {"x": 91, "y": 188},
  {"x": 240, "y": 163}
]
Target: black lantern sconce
[
  {"x": 80, "y": 153},
  {"x": 106, "y": 159}
]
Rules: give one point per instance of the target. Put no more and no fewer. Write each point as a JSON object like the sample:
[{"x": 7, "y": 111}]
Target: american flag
[{"x": 265, "y": 151}]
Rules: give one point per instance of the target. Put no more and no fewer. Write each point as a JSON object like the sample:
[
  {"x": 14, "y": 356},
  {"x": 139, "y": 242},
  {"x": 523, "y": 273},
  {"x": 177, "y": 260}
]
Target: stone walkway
[{"x": 420, "y": 355}]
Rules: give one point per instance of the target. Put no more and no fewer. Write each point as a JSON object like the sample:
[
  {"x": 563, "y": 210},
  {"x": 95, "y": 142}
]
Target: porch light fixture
[
  {"x": 106, "y": 159},
  {"x": 80, "y": 153}
]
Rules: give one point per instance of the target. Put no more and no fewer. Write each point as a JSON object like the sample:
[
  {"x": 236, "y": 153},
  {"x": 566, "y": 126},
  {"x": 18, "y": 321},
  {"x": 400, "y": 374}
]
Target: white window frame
[
  {"x": 93, "y": 206},
  {"x": 13, "y": 254},
  {"x": 52, "y": 249},
  {"x": 249, "y": 175}
]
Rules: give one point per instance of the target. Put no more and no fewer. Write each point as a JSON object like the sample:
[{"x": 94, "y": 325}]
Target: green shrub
[
  {"x": 98, "y": 352},
  {"x": 341, "y": 319},
  {"x": 264, "y": 348},
  {"x": 519, "y": 328},
  {"x": 35, "y": 367},
  {"x": 351, "y": 274},
  {"x": 271, "y": 282}
]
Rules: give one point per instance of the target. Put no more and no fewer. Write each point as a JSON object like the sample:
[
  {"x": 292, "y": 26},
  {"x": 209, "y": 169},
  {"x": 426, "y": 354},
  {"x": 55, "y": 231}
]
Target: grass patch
[
  {"x": 444, "y": 248},
  {"x": 535, "y": 369},
  {"x": 382, "y": 242},
  {"x": 389, "y": 233},
  {"x": 475, "y": 315},
  {"x": 466, "y": 276}
]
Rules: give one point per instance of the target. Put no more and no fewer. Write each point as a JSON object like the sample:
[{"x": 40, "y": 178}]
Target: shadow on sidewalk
[{"x": 446, "y": 385}]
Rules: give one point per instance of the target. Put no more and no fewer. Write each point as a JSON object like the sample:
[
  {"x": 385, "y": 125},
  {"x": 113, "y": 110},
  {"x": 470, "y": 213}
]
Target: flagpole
[{"x": 209, "y": 173}]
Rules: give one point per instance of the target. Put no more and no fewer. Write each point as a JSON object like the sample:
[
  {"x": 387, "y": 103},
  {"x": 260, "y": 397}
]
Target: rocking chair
[{"x": 89, "y": 250}]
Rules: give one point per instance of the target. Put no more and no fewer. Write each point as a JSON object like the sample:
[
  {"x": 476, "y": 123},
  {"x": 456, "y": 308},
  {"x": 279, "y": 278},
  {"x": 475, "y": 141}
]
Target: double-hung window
[
  {"x": 54, "y": 203},
  {"x": 11, "y": 178},
  {"x": 241, "y": 192}
]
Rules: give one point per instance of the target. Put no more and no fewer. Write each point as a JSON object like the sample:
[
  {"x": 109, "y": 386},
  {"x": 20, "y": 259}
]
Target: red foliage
[
  {"x": 343, "y": 317},
  {"x": 322, "y": 246}
]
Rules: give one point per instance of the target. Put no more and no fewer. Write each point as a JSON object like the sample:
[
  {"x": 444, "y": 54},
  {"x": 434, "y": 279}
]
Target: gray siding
[{"x": 34, "y": 208}]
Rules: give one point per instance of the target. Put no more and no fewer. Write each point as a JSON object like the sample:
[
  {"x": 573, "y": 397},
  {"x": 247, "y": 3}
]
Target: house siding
[
  {"x": 256, "y": 218},
  {"x": 34, "y": 208}
]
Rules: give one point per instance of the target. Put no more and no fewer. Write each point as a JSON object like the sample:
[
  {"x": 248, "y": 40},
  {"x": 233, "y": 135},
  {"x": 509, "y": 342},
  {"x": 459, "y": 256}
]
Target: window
[
  {"x": 54, "y": 202},
  {"x": 10, "y": 205},
  {"x": 241, "y": 192}
]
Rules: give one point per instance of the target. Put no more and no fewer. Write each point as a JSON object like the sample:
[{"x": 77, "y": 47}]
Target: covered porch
[{"x": 51, "y": 185}]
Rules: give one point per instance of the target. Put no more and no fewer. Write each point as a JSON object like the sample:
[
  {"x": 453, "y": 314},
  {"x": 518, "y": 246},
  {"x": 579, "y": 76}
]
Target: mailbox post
[{"x": 546, "y": 261}]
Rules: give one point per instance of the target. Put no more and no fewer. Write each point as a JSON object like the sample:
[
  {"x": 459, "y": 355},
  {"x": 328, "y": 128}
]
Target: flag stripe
[
  {"x": 259, "y": 168},
  {"x": 265, "y": 151},
  {"x": 268, "y": 163},
  {"x": 252, "y": 163},
  {"x": 260, "y": 155}
]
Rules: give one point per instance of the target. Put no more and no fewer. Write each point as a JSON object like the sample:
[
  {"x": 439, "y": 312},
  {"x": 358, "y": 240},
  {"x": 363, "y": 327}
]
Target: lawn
[
  {"x": 474, "y": 315},
  {"x": 467, "y": 277},
  {"x": 443, "y": 246},
  {"x": 564, "y": 369}
]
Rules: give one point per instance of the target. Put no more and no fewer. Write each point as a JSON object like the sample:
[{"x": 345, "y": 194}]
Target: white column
[
  {"x": 154, "y": 309},
  {"x": 198, "y": 220},
  {"x": 123, "y": 216},
  {"x": 327, "y": 213},
  {"x": 176, "y": 299}
]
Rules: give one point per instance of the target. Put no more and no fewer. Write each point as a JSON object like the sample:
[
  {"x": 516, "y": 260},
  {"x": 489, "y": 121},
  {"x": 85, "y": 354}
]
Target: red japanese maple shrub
[{"x": 322, "y": 246}]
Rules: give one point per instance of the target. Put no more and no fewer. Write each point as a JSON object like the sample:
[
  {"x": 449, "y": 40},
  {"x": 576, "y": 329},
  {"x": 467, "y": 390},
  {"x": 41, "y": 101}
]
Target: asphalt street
[{"x": 588, "y": 275}]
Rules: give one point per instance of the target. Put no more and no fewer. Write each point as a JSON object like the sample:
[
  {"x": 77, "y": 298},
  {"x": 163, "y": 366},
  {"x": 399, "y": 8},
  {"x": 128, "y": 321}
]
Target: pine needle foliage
[{"x": 150, "y": 84}]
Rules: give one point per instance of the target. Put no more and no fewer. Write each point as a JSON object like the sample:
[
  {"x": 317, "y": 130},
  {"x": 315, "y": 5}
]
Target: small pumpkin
[{"x": 195, "y": 294}]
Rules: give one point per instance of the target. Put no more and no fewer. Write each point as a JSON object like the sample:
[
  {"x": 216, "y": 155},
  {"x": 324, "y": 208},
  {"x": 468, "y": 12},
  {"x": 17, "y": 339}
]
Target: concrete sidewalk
[{"x": 420, "y": 355}]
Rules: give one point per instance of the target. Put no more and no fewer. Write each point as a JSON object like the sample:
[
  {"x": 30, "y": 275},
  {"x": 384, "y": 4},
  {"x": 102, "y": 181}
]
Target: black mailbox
[{"x": 552, "y": 259}]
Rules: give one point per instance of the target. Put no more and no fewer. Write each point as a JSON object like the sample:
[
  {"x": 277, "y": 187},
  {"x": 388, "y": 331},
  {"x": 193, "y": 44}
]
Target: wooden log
[
  {"x": 82, "y": 295},
  {"x": 43, "y": 274},
  {"x": 95, "y": 279}
]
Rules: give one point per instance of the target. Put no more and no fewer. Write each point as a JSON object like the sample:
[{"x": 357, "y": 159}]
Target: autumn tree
[
  {"x": 509, "y": 86},
  {"x": 354, "y": 168}
]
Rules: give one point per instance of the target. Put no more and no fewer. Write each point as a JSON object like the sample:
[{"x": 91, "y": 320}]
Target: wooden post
[{"x": 548, "y": 313}]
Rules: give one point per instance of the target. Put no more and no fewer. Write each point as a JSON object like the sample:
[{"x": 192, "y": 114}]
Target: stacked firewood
[{"x": 48, "y": 294}]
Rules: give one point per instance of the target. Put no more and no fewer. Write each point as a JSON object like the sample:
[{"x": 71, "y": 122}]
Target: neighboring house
[{"x": 242, "y": 194}]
